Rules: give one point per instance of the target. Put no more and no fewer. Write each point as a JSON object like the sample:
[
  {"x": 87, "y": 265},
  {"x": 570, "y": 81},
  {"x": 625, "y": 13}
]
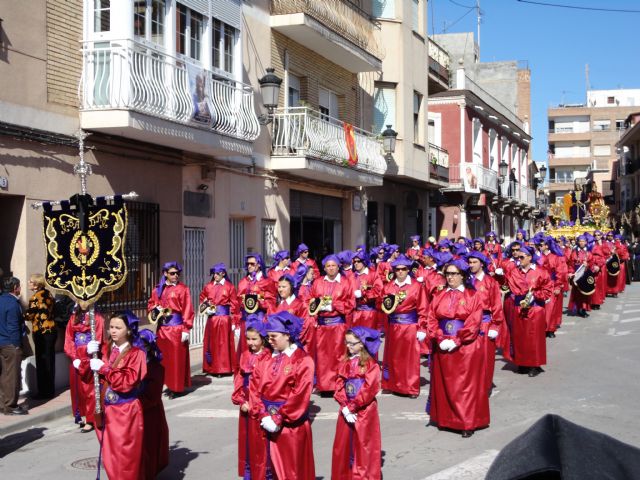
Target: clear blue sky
[{"x": 557, "y": 43}]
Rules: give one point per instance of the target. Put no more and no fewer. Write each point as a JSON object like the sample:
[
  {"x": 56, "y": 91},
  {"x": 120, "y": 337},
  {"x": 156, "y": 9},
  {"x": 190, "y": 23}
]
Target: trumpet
[
  {"x": 402, "y": 294},
  {"x": 316, "y": 304},
  {"x": 207, "y": 307},
  {"x": 157, "y": 314},
  {"x": 527, "y": 300}
]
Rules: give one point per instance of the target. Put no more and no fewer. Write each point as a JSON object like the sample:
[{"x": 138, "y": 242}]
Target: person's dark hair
[
  {"x": 9, "y": 284},
  {"x": 290, "y": 281},
  {"x": 265, "y": 340}
]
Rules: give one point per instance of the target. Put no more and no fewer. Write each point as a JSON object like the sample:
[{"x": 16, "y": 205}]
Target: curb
[{"x": 29, "y": 421}]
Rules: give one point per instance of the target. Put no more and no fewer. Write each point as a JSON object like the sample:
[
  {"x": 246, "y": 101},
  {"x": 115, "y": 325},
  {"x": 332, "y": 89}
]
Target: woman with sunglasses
[
  {"x": 492, "y": 248},
  {"x": 458, "y": 398},
  {"x": 367, "y": 287},
  {"x": 281, "y": 266},
  {"x": 173, "y": 330},
  {"x": 302, "y": 258},
  {"x": 385, "y": 269},
  {"x": 530, "y": 287},
  {"x": 406, "y": 330}
]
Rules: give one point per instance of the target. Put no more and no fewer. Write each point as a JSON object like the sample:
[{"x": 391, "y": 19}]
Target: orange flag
[{"x": 350, "y": 139}]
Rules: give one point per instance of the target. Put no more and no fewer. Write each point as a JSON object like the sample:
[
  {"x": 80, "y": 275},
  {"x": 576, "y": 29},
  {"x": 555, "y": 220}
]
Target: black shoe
[
  {"x": 535, "y": 371},
  {"x": 467, "y": 433},
  {"x": 522, "y": 370},
  {"x": 16, "y": 411},
  {"x": 595, "y": 307},
  {"x": 551, "y": 335},
  {"x": 169, "y": 394}
]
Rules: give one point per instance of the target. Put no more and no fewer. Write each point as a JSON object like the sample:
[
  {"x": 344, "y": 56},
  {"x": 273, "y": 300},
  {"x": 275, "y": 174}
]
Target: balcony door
[{"x": 328, "y": 104}]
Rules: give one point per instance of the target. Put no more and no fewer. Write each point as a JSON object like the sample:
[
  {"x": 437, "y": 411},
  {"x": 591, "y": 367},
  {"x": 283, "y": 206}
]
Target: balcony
[
  {"x": 439, "y": 165},
  {"x": 336, "y": 29},
  {"x": 131, "y": 90},
  {"x": 474, "y": 178},
  {"x": 312, "y": 145},
  {"x": 517, "y": 194},
  {"x": 439, "y": 63}
]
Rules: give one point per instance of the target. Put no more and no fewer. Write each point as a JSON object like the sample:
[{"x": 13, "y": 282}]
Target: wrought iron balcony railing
[{"x": 473, "y": 178}]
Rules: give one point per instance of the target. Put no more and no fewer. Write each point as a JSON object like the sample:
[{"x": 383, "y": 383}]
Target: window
[
  {"x": 431, "y": 123},
  {"x": 477, "y": 141},
  {"x": 328, "y": 104},
  {"x": 417, "y": 130},
  {"x": 619, "y": 125},
  {"x": 602, "y": 150},
  {"x": 493, "y": 150},
  {"x": 269, "y": 246},
  {"x": 148, "y": 20},
  {"x": 611, "y": 100},
  {"x": 224, "y": 42},
  {"x": 181, "y": 28},
  {"x": 294, "y": 91},
  {"x": 601, "y": 125},
  {"x": 189, "y": 28},
  {"x": 383, "y": 8},
  {"x": 384, "y": 108},
  {"x": 101, "y": 16},
  {"x": 195, "y": 34},
  {"x": 415, "y": 16}
]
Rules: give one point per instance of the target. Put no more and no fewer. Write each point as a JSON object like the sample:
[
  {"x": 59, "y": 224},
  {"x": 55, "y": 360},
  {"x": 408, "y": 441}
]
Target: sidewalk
[{"x": 60, "y": 406}]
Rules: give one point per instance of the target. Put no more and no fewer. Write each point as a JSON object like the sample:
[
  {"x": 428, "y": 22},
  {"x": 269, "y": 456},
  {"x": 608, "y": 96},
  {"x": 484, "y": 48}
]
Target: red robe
[
  {"x": 601, "y": 253},
  {"x": 287, "y": 380},
  {"x": 300, "y": 309},
  {"x": 458, "y": 392},
  {"x": 616, "y": 284},
  {"x": 309, "y": 262},
  {"x": 83, "y": 399},
  {"x": 493, "y": 251},
  {"x": 331, "y": 328},
  {"x": 276, "y": 275},
  {"x": 218, "y": 349},
  {"x": 156, "y": 430},
  {"x": 385, "y": 272},
  {"x": 577, "y": 300},
  {"x": 556, "y": 267},
  {"x": 267, "y": 294},
  {"x": 175, "y": 352},
  {"x": 492, "y": 319},
  {"x": 401, "y": 362},
  {"x": 413, "y": 253},
  {"x": 370, "y": 286},
  {"x": 123, "y": 434},
  {"x": 528, "y": 334},
  {"x": 252, "y": 454},
  {"x": 360, "y": 441}
]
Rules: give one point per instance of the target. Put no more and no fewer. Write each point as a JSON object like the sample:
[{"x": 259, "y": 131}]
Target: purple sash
[
  {"x": 246, "y": 377},
  {"x": 81, "y": 338},
  {"x": 486, "y": 316},
  {"x": 221, "y": 310},
  {"x": 365, "y": 308},
  {"x": 259, "y": 313},
  {"x": 272, "y": 407},
  {"x": 352, "y": 386},
  {"x": 450, "y": 326},
  {"x": 408, "y": 318},
  {"x": 326, "y": 321},
  {"x": 112, "y": 397},
  {"x": 173, "y": 321}
]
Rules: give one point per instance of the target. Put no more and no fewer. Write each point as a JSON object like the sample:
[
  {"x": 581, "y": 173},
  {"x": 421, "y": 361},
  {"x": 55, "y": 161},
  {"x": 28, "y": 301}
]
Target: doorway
[{"x": 11, "y": 207}]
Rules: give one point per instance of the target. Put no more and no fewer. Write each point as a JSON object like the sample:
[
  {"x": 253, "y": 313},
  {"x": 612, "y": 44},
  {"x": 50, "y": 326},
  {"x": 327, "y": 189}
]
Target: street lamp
[
  {"x": 543, "y": 173},
  {"x": 503, "y": 169},
  {"x": 389, "y": 140},
  {"x": 270, "y": 90}
]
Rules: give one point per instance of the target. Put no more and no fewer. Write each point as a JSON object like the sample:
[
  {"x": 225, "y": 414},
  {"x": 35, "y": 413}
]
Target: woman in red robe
[
  {"x": 290, "y": 302},
  {"x": 616, "y": 284},
  {"x": 173, "y": 331},
  {"x": 414, "y": 250},
  {"x": 458, "y": 394},
  {"x": 553, "y": 261},
  {"x": 221, "y": 307},
  {"x": 252, "y": 454},
  {"x": 281, "y": 261},
  {"x": 123, "y": 372},
  {"x": 580, "y": 303},
  {"x": 76, "y": 339},
  {"x": 384, "y": 269},
  {"x": 357, "y": 445},
  {"x": 492, "y": 248},
  {"x": 601, "y": 253},
  {"x": 367, "y": 287},
  {"x": 302, "y": 258},
  {"x": 279, "y": 397},
  {"x": 337, "y": 299},
  {"x": 407, "y": 328},
  {"x": 256, "y": 286},
  {"x": 530, "y": 288}
]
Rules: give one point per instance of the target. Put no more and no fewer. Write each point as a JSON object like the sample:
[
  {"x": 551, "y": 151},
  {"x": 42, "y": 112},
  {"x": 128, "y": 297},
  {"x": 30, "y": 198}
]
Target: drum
[{"x": 613, "y": 265}]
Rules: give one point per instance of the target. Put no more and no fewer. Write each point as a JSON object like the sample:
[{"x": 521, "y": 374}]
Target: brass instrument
[
  {"x": 527, "y": 301},
  {"x": 390, "y": 275},
  {"x": 316, "y": 304},
  {"x": 157, "y": 314},
  {"x": 207, "y": 307}
]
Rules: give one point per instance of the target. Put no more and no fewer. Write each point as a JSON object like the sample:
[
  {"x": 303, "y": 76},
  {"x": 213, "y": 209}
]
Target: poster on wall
[
  {"x": 470, "y": 178},
  {"x": 199, "y": 89}
]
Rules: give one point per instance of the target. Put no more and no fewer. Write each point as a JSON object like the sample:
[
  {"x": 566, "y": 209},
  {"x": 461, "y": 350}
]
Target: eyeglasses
[
  {"x": 173, "y": 273},
  {"x": 520, "y": 257},
  {"x": 351, "y": 344},
  {"x": 401, "y": 269},
  {"x": 357, "y": 260},
  {"x": 451, "y": 274},
  {"x": 252, "y": 263}
]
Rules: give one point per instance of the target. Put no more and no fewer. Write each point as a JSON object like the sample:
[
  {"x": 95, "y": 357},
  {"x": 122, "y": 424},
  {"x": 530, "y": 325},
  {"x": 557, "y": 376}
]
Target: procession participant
[
  {"x": 256, "y": 294},
  {"x": 219, "y": 301},
  {"x": 379, "y": 255},
  {"x": 433, "y": 279},
  {"x": 252, "y": 454},
  {"x": 76, "y": 340},
  {"x": 601, "y": 253},
  {"x": 478, "y": 245},
  {"x": 367, "y": 288},
  {"x": 616, "y": 283},
  {"x": 333, "y": 301},
  {"x": 522, "y": 236},
  {"x": 304, "y": 277},
  {"x": 458, "y": 391},
  {"x": 346, "y": 266},
  {"x": 279, "y": 397},
  {"x": 302, "y": 258},
  {"x": 492, "y": 248},
  {"x": 459, "y": 250},
  {"x": 44, "y": 333},
  {"x": 156, "y": 430},
  {"x": 281, "y": 261},
  {"x": 444, "y": 245},
  {"x": 357, "y": 443},
  {"x": 553, "y": 261},
  {"x": 413, "y": 252},
  {"x": 289, "y": 301},
  {"x": 385, "y": 270},
  {"x": 405, "y": 302},
  {"x": 174, "y": 298},
  {"x": 360, "y": 249},
  {"x": 123, "y": 372},
  {"x": 580, "y": 303},
  {"x": 493, "y": 328},
  {"x": 530, "y": 288}
]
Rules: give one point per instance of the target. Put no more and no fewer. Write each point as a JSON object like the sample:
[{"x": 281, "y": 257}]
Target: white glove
[
  {"x": 421, "y": 336},
  {"x": 358, "y": 293},
  {"x": 327, "y": 308},
  {"x": 269, "y": 425},
  {"x": 93, "y": 347},
  {"x": 351, "y": 418},
  {"x": 499, "y": 271},
  {"x": 420, "y": 279},
  {"x": 185, "y": 337},
  {"x": 447, "y": 345},
  {"x": 345, "y": 411},
  {"x": 96, "y": 364},
  {"x": 236, "y": 333},
  {"x": 492, "y": 334},
  {"x": 76, "y": 363}
]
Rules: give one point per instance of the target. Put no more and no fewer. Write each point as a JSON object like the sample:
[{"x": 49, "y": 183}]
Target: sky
[{"x": 557, "y": 43}]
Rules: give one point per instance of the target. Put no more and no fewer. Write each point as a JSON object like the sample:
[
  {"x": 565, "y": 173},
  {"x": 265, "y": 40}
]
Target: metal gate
[
  {"x": 237, "y": 250},
  {"x": 194, "y": 277}
]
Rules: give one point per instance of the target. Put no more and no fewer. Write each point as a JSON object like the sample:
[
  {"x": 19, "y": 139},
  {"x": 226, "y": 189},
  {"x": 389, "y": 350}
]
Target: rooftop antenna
[
  {"x": 479, "y": 17},
  {"x": 586, "y": 74}
]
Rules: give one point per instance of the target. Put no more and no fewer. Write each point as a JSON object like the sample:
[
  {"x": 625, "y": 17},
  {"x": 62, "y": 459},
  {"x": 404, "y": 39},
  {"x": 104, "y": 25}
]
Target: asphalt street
[{"x": 591, "y": 379}]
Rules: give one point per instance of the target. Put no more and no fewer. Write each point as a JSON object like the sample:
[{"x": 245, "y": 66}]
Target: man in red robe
[
  {"x": 553, "y": 261},
  {"x": 173, "y": 329},
  {"x": 601, "y": 253},
  {"x": 367, "y": 288}
]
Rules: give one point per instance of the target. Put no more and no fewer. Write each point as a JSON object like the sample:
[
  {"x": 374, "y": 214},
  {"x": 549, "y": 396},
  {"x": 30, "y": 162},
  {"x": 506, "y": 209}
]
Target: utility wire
[
  {"x": 452, "y": 24},
  {"x": 575, "y": 7},
  {"x": 463, "y": 6}
]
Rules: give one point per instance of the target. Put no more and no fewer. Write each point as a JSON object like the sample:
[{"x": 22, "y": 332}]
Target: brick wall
[
  {"x": 316, "y": 71},
  {"x": 64, "y": 62}
]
